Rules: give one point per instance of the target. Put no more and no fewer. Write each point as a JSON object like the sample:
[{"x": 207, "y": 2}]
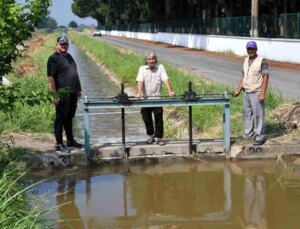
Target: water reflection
[
  {"x": 254, "y": 201},
  {"x": 188, "y": 195},
  {"x": 66, "y": 198},
  {"x": 254, "y": 196}
]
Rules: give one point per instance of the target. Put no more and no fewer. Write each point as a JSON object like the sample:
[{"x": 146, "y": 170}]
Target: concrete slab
[
  {"x": 268, "y": 151},
  {"x": 141, "y": 149},
  {"x": 173, "y": 151}
]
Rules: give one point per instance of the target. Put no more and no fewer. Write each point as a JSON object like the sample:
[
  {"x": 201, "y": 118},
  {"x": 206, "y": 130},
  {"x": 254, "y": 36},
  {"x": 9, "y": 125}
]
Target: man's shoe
[
  {"x": 246, "y": 137},
  {"x": 160, "y": 142},
  {"x": 61, "y": 148},
  {"x": 259, "y": 142},
  {"x": 150, "y": 139},
  {"x": 74, "y": 144}
]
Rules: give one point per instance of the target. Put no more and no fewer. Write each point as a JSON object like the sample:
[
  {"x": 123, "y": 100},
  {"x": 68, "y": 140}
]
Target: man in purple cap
[{"x": 254, "y": 83}]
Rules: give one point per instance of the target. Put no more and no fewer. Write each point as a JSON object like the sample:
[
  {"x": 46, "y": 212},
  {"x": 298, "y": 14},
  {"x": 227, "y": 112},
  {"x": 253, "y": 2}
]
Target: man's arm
[
  {"x": 52, "y": 87},
  {"x": 238, "y": 91},
  {"x": 264, "y": 88},
  {"x": 139, "y": 89},
  {"x": 265, "y": 73},
  {"x": 169, "y": 88}
]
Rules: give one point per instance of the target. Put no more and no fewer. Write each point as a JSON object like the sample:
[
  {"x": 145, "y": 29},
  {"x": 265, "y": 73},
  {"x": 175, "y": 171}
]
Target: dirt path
[{"x": 36, "y": 142}]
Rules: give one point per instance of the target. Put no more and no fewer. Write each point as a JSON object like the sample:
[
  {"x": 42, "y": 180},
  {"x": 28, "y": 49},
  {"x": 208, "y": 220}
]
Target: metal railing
[
  {"x": 284, "y": 26},
  {"x": 190, "y": 98}
]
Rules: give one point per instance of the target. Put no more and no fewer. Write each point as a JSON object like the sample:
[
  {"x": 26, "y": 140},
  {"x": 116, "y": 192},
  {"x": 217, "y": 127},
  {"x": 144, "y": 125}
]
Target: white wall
[{"x": 285, "y": 50}]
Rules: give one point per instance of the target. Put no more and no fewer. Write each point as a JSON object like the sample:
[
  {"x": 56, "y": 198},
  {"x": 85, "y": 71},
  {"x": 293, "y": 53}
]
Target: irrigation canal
[
  {"x": 244, "y": 194},
  {"x": 190, "y": 194},
  {"x": 105, "y": 125}
]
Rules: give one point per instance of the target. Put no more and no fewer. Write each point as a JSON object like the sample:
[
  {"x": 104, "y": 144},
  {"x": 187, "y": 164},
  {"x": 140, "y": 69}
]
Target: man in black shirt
[{"x": 62, "y": 73}]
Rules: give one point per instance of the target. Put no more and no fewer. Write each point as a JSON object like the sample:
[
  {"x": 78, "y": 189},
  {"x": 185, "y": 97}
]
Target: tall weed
[{"x": 15, "y": 209}]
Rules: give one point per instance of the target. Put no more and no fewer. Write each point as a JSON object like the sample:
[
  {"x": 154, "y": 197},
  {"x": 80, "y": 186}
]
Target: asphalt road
[{"x": 220, "y": 69}]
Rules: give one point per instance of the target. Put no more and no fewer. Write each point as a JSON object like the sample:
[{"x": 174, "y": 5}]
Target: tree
[
  {"x": 17, "y": 25},
  {"x": 254, "y": 18},
  {"x": 73, "y": 24},
  {"x": 83, "y": 8},
  {"x": 111, "y": 12},
  {"x": 47, "y": 22}
]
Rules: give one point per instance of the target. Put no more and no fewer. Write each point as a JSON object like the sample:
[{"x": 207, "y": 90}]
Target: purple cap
[{"x": 251, "y": 44}]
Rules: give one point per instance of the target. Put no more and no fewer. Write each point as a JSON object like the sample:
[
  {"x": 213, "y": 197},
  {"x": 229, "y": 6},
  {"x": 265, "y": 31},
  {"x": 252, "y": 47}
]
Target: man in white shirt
[{"x": 149, "y": 85}]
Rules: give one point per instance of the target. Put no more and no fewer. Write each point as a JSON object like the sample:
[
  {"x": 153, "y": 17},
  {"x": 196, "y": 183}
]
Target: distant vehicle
[{"x": 97, "y": 33}]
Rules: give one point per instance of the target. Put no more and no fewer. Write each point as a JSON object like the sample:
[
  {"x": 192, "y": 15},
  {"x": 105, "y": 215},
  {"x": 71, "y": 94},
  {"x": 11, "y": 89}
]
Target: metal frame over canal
[{"x": 189, "y": 99}]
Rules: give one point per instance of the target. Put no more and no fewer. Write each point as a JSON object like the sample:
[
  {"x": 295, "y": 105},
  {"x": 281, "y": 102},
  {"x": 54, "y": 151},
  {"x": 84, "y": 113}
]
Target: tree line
[{"x": 111, "y": 12}]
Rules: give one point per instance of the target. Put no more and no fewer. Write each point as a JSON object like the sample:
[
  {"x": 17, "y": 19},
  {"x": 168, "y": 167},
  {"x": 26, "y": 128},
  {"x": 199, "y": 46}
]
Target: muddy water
[
  {"x": 105, "y": 124},
  {"x": 259, "y": 194}
]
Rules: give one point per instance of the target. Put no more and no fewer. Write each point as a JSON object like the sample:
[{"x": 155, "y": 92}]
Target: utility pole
[
  {"x": 285, "y": 21},
  {"x": 254, "y": 18},
  {"x": 167, "y": 7}
]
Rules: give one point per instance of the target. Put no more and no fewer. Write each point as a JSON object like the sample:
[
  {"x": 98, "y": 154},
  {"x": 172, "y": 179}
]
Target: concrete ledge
[
  {"x": 176, "y": 148},
  {"x": 173, "y": 151},
  {"x": 268, "y": 151}
]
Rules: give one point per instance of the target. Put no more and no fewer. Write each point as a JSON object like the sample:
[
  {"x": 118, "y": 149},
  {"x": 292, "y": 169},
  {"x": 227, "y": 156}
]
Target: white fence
[{"x": 284, "y": 50}]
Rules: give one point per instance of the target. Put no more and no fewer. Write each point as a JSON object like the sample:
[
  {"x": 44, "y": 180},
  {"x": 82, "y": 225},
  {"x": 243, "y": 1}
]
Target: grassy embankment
[
  {"x": 30, "y": 72},
  {"x": 207, "y": 120}
]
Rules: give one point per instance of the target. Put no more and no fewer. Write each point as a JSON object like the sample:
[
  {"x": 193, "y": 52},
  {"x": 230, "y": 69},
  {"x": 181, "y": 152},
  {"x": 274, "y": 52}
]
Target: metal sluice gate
[{"x": 189, "y": 98}]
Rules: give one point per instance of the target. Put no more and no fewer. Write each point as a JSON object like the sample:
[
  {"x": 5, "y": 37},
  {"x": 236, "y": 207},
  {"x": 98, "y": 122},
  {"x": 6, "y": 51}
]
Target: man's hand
[
  {"x": 139, "y": 95},
  {"x": 261, "y": 98},
  {"x": 78, "y": 94},
  {"x": 236, "y": 93},
  {"x": 172, "y": 93},
  {"x": 55, "y": 101}
]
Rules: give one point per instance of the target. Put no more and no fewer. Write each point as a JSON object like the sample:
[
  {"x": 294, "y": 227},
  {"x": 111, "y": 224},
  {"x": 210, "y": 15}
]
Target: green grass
[
  {"x": 30, "y": 73},
  {"x": 16, "y": 208},
  {"x": 207, "y": 120}
]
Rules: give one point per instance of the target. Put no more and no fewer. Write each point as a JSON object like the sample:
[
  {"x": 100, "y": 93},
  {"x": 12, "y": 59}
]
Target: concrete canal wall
[{"x": 204, "y": 150}]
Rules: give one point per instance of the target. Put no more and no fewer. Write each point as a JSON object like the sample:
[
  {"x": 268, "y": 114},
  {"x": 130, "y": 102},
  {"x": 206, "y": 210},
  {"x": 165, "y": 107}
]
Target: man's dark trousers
[
  {"x": 65, "y": 112},
  {"x": 158, "y": 117}
]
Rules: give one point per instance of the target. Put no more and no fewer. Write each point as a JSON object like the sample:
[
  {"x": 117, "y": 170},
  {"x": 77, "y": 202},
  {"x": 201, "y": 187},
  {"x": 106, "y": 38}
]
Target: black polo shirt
[{"x": 64, "y": 71}]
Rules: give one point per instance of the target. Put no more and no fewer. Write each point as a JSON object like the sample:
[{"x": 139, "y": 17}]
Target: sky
[{"x": 61, "y": 11}]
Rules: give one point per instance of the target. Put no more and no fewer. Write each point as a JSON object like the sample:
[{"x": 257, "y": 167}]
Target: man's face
[
  {"x": 151, "y": 61},
  {"x": 251, "y": 52},
  {"x": 62, "y": 48}
]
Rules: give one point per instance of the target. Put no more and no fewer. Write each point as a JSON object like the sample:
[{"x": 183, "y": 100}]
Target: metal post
[
  {"x": 226, "y": 128},
  {"x": 190, "y": 130},
  {"x": 190, "y": 123},
  {"x": 123, "y": 133},
  {"x": 86, "y": 132},
  {"x": 123, "y": 124}
]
